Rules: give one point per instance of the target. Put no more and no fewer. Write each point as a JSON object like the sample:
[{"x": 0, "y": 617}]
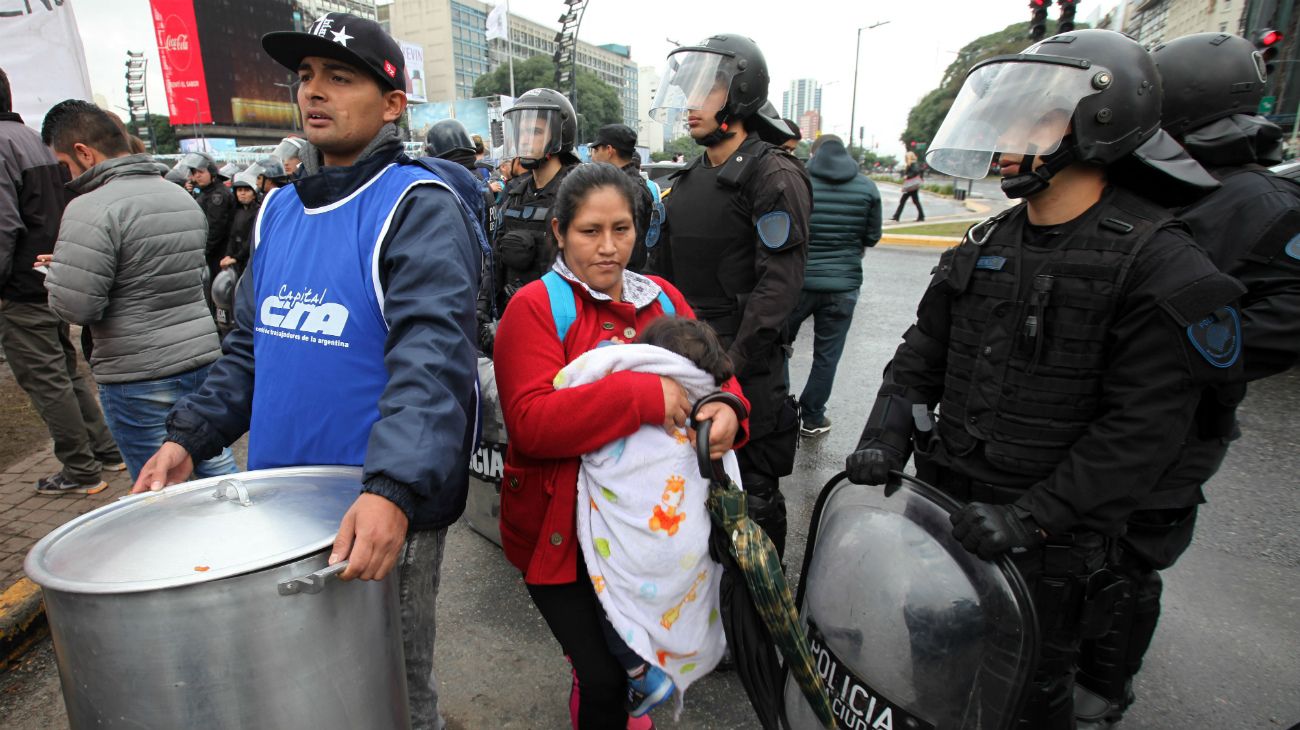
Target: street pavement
[{"x": 1227, "y": 654}]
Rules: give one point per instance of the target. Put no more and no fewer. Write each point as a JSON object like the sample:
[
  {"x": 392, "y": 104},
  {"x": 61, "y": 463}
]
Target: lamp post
[
  {"x": 293, "y": 100},
  {"x": 857, "y": 52}
]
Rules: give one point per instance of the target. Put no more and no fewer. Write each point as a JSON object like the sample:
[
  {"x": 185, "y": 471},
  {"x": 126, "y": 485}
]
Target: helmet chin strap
[
  {"x": 1031, "y": 181},
  {"x": 718, "y": 135},
  {"x": 532, "y": 164}
]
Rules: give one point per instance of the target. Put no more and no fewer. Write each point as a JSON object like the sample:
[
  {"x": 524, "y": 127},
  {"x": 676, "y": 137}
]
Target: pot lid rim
[{"x": 34, "y": 568}]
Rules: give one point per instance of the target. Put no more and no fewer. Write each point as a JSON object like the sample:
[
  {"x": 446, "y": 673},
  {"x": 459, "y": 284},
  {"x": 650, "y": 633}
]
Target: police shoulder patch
[
  {"x": 774, "y": 229},
  {"x": 1217, "y": 337},
  {"x": 1293, "y": 247}
]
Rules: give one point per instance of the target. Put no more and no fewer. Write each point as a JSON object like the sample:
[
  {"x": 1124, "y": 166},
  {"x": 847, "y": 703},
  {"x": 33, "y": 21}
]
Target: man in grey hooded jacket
[
  {"x": 129, "y": 264},
  {"x": 37, "y": 344}
]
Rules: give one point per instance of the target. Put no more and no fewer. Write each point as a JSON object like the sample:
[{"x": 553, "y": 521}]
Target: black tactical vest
[
  {"x": 713, "y": 239},
  {"x": 1028, "y": 338},
  {"x": 524, "y": 249}
]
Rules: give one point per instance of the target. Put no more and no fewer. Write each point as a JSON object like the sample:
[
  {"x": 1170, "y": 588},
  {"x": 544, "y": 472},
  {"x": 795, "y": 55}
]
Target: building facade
[
  {"x": 648, "y": 132},
  {"x": 1153, "y": 22},
  {"x": 810, "y": 124},
  {"x": 313, "y": 9},
  {"x": 804, "y": 95},
  {"x": 457, "y": 51}
]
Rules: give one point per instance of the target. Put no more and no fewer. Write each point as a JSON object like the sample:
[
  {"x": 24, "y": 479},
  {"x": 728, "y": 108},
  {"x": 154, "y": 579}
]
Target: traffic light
[
  {"x": 1038, "y": 18},
  {"x": 1269, "y": 43},
  {"x": 1065, "y": 23}
]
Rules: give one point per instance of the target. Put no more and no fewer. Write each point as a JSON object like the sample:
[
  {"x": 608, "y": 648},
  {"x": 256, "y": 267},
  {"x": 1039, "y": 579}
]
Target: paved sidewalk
[{"x": 26, "y": 515}]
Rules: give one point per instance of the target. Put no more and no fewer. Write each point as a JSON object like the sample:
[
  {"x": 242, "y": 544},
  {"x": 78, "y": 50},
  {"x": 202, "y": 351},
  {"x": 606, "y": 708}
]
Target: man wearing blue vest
[{"x": 355, "y": 324}]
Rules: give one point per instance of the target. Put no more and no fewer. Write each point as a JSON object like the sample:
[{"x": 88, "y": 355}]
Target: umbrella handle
[{"x": 710, "y": 469}]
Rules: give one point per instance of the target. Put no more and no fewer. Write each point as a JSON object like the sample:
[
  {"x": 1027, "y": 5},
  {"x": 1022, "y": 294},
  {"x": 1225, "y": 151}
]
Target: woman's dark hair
[
  {"x": 585, "y": 178},
  {"x": 693, "y": 340}
]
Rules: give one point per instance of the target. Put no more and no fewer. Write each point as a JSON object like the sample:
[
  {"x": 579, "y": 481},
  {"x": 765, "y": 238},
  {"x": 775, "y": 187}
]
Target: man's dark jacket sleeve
[{"x": 419, "y": 449}]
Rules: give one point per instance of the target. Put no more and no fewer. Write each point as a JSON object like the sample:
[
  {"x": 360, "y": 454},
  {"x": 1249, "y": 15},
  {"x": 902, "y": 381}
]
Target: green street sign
[{"x": 1266, "y": 104}]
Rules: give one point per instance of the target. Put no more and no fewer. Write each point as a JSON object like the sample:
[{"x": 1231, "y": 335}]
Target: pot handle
[
  {"x": 312, "y": 582},
  {"x": 232, "y": 489}
]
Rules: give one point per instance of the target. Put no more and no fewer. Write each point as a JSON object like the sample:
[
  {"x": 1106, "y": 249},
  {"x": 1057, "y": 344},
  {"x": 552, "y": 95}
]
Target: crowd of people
[{"x": 1071, "y": 377}]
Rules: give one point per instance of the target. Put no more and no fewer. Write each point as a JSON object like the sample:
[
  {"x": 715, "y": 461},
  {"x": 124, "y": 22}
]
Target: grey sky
[{"x": 900, "y": 61}]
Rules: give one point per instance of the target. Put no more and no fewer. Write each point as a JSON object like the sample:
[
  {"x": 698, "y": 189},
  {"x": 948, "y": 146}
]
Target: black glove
[
  {"x": 989, "y": 530},
  {"x": 872, "y": 464},
  {"x": 487, "y": 336}
]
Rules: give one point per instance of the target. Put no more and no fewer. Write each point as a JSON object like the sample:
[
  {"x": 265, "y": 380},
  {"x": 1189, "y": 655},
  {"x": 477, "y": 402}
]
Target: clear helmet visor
[
  {"x": 195, "y": 161},
  {"x": 1013, "y": 107},
  {"x": 531, "y": 133},
  {"x": 692, "y": 81}
]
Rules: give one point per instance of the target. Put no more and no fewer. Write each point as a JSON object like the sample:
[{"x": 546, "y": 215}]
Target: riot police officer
[
  {"x": 540, "y": 130},
  {"x": 271, "y": 174},
  {"x": 1064, "y": 341},
  {"x": 218, "y": 204},
  {"x": 449, "y": 140},
  {"x": 735, "y": 241},
  {"x": 1213, "y": 84}
]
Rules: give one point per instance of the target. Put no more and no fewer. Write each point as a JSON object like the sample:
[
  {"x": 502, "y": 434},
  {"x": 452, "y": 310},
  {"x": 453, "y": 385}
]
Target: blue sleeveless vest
[{"x": 318, "y": 339}]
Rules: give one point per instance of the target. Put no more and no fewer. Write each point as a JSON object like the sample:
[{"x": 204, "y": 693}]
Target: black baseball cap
[
  {"x": 343, "y": 37},
  {"x": 619, "y": 136}
]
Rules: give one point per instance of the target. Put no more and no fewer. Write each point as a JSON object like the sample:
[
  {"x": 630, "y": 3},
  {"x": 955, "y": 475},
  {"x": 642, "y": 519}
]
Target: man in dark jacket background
[
  {"x": 388, "y": 377},
  {"x": 616, "y": 144},
  {"x": 36, "y": 342},
  {"x": 218, "y": 204},
  {"x": 845, "y": 222}
]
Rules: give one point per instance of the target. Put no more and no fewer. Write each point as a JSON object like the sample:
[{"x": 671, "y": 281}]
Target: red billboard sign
[{"x": 182, "y": 61}]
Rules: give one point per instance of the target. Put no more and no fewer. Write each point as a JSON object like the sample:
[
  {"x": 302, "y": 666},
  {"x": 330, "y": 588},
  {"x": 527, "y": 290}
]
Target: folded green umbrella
[{"x": 758, "y": 561}]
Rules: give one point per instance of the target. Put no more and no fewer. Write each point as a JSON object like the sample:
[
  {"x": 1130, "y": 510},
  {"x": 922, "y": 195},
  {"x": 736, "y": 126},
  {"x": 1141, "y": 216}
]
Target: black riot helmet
[
  {"x": 446, "y": 136},
  {"x": 1208, "y": 76},
  {"x": 541, "y": 123},
  {"x": 1089, "y": 96},
  {"x": 695, "y": 77}
]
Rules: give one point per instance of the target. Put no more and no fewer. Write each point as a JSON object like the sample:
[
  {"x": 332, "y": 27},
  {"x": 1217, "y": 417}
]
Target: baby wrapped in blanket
[{"x": 642, "y": 521}]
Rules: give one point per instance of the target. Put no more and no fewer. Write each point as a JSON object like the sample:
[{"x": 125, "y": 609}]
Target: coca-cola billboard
[
  {"x": 182, "y": 61},
  {"x": 214, "y": 66}
]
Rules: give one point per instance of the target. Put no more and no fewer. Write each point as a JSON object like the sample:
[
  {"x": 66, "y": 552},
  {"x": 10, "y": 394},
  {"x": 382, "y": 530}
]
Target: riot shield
[
  {"x": 908, "y": 629},
  {"x": 487, "y": 462}
]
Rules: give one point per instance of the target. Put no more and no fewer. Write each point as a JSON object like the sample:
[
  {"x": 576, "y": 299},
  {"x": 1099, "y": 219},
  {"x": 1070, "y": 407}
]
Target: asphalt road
[{"x": 1227, "y": 654}]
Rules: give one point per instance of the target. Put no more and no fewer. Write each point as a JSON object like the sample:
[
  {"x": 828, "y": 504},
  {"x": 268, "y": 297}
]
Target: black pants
[
  {"x": 915, "y": 197},
  {"x": 575, "y": 616}
]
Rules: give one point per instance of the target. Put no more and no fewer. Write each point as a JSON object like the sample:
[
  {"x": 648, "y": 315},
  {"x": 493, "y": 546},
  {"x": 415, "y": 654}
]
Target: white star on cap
[{"x": 341, "y": 36}]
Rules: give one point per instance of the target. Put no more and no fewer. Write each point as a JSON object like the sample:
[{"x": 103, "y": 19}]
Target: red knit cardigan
[{"x": 550, "y": 429}]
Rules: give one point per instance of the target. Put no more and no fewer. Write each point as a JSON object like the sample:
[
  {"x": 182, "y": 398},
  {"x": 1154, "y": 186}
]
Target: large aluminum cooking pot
[{"x": 209, "y": 605}]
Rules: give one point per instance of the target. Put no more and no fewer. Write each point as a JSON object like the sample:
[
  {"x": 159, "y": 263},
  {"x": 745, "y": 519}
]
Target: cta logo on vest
[{"x": 303, "y": 311}]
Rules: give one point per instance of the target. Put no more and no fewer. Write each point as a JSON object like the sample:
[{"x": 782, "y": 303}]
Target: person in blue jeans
[
  {"x": 845, "y": 222},
  {"x": 129, "y": 265}
]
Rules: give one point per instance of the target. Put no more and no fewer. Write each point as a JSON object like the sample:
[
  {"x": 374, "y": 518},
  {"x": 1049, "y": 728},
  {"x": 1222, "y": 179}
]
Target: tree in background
[
  {"x": 164, "y": 136},
  {"x": 683, "y": 145},
  {"x": 597, "y": 103},
  {"x": 924, "y": 119}
]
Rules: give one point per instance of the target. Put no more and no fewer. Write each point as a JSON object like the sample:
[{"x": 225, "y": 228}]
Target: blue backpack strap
[
  {"x": 563, "y": 307},
  {"x": 656, "y": 214},
  {"x": 666, "y": 304}
]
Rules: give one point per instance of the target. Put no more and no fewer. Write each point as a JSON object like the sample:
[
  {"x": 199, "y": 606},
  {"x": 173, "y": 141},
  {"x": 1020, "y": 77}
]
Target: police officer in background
[
  {"x": 616, "y": 144},
  {"x": 1065, "y": 341},
  {"x": 218, "y": 204},
  {"x": 271, "y": 174},
  {"x": 540, "y": 130},
  {"x": 449, "y": 140},
  {"x": 735, "y": 241},
  {"x": 1213, "y": 84}
]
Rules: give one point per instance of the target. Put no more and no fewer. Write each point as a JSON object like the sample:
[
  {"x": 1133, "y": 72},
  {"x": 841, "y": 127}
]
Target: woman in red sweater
[{"x": 595, "y": 230}]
